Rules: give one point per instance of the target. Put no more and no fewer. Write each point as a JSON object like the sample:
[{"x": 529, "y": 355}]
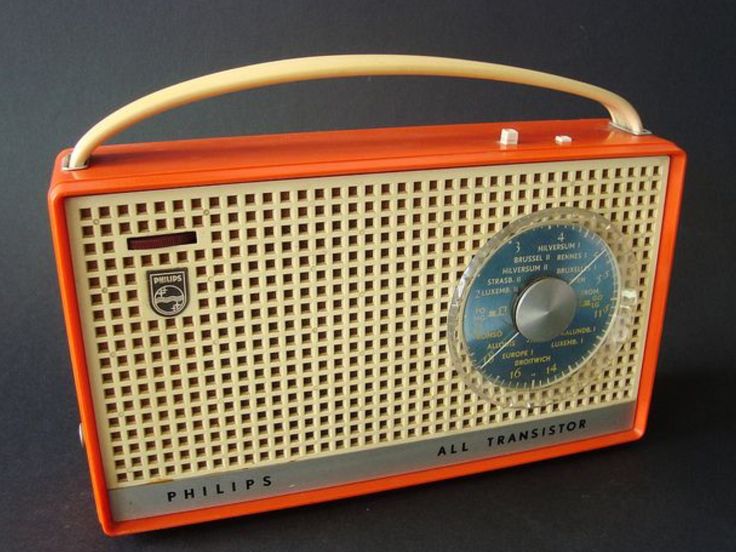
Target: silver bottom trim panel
[{"x": 291, "y": 477}]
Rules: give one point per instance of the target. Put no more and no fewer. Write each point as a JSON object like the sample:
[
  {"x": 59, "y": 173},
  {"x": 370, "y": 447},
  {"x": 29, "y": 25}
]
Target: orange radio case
[{"x": 270, "y": 321}]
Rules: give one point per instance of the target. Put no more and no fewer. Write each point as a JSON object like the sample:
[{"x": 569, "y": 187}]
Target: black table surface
[{"x": 65, "y": 65}]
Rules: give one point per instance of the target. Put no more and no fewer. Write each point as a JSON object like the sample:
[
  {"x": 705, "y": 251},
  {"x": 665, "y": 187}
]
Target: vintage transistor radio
[{"x": 269, "y": 321}]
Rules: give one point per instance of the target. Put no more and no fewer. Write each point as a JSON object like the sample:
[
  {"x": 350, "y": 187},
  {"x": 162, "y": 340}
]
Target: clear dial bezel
[{"x": 589, "y": 368}]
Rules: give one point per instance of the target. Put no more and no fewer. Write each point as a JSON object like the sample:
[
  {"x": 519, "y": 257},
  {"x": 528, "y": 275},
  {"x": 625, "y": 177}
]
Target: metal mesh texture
[{"x": 317, "y": 318}]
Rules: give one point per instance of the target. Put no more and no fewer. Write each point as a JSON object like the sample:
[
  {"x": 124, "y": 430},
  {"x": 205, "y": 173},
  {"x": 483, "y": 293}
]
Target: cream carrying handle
[{"x": 623, "y": 115}]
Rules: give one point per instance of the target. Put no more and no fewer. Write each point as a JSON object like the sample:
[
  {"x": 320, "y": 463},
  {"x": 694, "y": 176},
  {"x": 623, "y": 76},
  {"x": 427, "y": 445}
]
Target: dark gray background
[{"x": 64, "y": 65}]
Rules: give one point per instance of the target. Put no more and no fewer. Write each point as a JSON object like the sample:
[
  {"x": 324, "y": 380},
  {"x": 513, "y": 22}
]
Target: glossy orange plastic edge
[{"x": 139, "y": 167}]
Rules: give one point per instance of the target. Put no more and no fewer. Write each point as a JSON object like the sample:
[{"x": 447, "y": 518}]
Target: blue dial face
[{"x": 564, "y": 251}]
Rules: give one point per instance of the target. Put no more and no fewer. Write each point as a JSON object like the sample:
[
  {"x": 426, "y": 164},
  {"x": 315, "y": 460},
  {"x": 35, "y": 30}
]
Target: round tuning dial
[{"x": 537, "y": 302}]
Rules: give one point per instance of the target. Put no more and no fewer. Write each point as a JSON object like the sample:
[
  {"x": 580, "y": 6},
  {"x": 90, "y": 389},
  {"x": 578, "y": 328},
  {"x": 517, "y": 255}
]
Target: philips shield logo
[{"x": 167, "y": 290}]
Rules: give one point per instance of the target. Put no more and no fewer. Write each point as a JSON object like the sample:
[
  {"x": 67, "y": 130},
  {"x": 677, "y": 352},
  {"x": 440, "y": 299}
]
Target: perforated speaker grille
[{"x": 318, "y": 310}]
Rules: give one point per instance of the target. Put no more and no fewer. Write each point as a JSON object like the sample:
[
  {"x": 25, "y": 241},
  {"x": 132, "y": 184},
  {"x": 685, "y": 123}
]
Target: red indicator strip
[{"x": 162, "y": 240}]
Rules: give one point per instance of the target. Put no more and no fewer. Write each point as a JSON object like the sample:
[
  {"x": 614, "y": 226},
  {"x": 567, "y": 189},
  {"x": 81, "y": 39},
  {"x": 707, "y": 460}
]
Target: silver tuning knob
[{"x": 545, "y": 309}]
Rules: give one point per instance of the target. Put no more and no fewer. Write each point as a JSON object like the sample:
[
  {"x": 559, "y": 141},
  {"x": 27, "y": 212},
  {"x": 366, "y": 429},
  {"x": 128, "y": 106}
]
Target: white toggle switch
[
  {"x": 509, "y": 137},
  {"x": 561, "y": 139}
]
